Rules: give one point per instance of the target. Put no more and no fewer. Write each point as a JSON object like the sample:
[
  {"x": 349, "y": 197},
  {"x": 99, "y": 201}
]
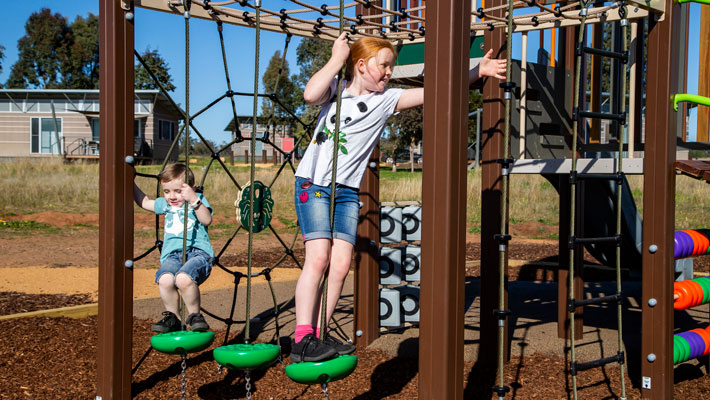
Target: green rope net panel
[
  {"x": 247, "y": 356},
  {"x": 311, "y": 373},
  {"x": 182, "y": 342}
]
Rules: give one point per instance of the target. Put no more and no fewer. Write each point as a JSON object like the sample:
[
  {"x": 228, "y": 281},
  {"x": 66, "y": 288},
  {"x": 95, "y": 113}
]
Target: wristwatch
[{"x": 196, "y": 204}]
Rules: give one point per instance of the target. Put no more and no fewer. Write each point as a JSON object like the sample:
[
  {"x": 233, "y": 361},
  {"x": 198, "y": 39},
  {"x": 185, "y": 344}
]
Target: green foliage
[
  {"x": 81, "y": 69},
  {"x": 25, "y": 226},
  {"x": 2, "y": 55},
  {"x": 277, "y": 81},
  {"x": 42, "y": 51},
  {"x": 160, "y": 69}
]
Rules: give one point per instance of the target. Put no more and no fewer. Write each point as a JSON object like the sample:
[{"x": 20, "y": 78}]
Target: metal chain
[
  {"x": 247, "y": 385},
  {"x": 183, "y": 377},
  {"x": 324, "y": 389}
]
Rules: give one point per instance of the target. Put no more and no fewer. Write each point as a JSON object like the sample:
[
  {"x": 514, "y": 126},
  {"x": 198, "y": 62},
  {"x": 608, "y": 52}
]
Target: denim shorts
[
  {"x": 313, "y": 211},
  {"x": 198, "y": 265}
]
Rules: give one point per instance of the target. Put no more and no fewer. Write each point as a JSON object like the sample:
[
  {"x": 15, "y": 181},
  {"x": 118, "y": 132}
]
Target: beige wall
[{"x": 15, "y": 131}]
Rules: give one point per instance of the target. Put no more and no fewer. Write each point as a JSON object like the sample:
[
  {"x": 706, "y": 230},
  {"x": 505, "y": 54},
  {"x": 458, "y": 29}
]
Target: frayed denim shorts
[
  {"x": 198, "y": 265},
  {"x": 313, "y": 211}
]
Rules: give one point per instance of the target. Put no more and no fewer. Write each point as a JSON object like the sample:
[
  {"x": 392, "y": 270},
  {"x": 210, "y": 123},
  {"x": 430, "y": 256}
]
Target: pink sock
[
  {"x": 317, "y": 331},
  {"x": 301, "y": 331}
]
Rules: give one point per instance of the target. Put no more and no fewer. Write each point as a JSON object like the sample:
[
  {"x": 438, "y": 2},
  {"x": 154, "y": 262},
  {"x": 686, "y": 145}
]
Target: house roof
[
  {"x": 92, "y": 94},
  {"x": 245, "y": 119}
]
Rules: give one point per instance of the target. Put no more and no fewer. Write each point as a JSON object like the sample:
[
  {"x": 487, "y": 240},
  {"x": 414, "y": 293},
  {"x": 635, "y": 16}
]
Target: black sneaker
[
  {"x": 340, "y": 347},
  {"x": 311, "y": 349},
  {"x": 196, "y": 322},
  {"x": 169, "y": 323}
]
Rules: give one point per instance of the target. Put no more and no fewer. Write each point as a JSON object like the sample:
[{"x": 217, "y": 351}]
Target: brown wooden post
[
  {"x": 662, "y": 125},
  {"x": 274, "y": 157},
  {"x": 264, "y": 157},
  {"x": 231, "y": 157},
  {"x": 491, "y": 198},
  {"x": 569, "y": 42},
  {"x": 115, "y": 319},
  {"x": 246, "y": 156},
  {"x": 367, "y": 271},
  {"x": 446, "y": 60}
]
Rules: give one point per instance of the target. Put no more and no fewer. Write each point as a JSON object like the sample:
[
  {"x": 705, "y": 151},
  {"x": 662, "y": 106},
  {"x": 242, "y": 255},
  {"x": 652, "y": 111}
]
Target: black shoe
[
  {"x": 340, "y": 347},
  {"x": 311, "y": 349},
  {"x": 196, "y": 322},
  {"x": 169, "y": 323}
]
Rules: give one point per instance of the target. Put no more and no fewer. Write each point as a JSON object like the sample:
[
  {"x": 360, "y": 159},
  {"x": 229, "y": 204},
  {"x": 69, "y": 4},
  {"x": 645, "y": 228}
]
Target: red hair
[{"x": 365, "y": 48}]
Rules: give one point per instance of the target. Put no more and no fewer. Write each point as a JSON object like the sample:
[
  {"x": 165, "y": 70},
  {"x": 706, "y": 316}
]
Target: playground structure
[{"x": 444, "y": 185}]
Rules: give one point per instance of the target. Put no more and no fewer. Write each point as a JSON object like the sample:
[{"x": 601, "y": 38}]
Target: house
[
  {"x": 51, "y": 122},
  {"x": 280, "y": 135}
]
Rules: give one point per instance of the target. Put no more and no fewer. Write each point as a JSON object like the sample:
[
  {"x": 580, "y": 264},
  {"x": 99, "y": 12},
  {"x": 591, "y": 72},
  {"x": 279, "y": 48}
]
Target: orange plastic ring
[
  {"x": 704, "y": 242},
  {"x": 684, "y": 296},
  {"x": 696, "y": 245}
]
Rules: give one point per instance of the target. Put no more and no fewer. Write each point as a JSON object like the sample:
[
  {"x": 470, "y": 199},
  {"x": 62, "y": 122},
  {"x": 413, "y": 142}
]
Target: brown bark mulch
[
  {"x": 16, "y": 302},
  {"x": 55, "y": 358}
]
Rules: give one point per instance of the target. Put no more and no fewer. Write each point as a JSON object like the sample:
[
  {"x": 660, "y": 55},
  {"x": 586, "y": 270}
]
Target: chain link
[
  {"x": 183, "y": 376},
  {"x": 248, "y": 384},
  {"x": 324, "y": 389}
]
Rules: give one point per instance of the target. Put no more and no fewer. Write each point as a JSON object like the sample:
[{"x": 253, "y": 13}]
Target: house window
[
  {"x": 95, "y": 129},
  {"x": 44, "y": 138},
  {"x": 166, "y": 130}
]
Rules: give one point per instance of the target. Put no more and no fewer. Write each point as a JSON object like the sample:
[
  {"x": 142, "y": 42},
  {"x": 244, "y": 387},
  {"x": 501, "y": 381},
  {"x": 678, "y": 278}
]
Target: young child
[
  {"x": 177, "y": 183},
  {"x": 366, "y": 106}
]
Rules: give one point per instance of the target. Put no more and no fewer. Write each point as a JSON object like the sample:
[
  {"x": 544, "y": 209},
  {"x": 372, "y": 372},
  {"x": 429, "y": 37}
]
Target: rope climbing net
[
  {"x": 253, "y": 201},
  {"x": 399, "y": 25}
]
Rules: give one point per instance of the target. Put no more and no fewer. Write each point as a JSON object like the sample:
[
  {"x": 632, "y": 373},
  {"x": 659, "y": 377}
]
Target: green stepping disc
[
  {"x": 246, "y": 356},
  {"x": 311, "y": 373},
  {"x": 263, "y": 206},
  {"x": 182, "y": 342}
]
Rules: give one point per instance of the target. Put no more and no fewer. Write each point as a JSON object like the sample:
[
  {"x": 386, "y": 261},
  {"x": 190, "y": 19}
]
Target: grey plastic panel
[
  {"x": 390, "y": 224},
  {"x": 390, "y": 265},
  {"x": 412, "y": 221},
  {"x": 390, "y": 308}
]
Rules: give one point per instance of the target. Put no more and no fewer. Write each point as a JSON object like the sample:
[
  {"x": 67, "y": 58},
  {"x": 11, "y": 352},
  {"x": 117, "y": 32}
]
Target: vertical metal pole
[
  {"x": 659, "y": 204},
  {"x": 703, "y": 73},
  {"x": 115, "y": 203},
  {"x": 367, "y": 271},
  {"x": 491, "y": 198},
  {"x": 633, "y": 105},
  {"x": 444, "y": 200}
]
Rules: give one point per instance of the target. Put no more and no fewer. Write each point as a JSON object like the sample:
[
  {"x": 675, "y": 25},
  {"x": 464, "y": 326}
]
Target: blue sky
[{"x": 165, "y": 32}]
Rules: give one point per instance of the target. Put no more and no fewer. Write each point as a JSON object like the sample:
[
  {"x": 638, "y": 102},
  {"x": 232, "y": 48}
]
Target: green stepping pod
[
  {"x": 246, "y": 356},
  {"x": 182, "y": 342},
  {"x": 311, "y": 373}
]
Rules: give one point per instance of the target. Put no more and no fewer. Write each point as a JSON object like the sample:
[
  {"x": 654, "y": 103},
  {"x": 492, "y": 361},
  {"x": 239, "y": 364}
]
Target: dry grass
[{"x": 40, "y": 185}]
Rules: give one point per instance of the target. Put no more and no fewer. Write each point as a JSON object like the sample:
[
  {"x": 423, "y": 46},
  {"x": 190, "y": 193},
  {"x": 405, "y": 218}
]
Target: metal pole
[
  {"x": 478, "y": 137},
  {"x": 524, "y": 91}
]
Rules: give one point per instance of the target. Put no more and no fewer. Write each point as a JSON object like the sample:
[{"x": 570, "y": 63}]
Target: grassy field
[{"x": 50, "y": 185}]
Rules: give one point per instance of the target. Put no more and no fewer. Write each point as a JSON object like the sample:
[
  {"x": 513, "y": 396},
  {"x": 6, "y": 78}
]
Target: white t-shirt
[{"x": 362, "y": 120}]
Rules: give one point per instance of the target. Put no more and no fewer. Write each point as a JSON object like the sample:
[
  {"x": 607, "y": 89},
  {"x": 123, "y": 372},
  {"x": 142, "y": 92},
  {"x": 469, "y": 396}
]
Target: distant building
[
  {"x": 280, "y": 135},
  {"x": 52, "y": 122}
]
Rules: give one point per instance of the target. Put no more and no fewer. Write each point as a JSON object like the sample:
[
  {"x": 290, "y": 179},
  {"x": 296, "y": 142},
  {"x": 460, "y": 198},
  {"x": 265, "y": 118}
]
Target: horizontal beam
[{"x": 631, "y": 166}]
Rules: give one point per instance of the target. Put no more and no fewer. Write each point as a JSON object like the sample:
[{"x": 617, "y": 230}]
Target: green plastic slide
[{"x": 693, "y": 98}]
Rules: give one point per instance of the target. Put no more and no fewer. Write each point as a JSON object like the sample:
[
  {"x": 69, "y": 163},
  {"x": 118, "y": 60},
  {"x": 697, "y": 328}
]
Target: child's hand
[
  {"x": 490, "y": 67},
  {"x": 187, "y": 193},
  {"x": 341, "y": 50}
]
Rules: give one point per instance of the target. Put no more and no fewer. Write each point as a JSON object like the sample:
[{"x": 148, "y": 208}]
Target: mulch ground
[{"x": 55, "y": 358}]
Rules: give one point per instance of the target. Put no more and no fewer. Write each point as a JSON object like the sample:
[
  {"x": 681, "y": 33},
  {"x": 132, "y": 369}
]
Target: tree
[
  {"x": 160, "y": 69},
  {"x": 41, "y": 52},
  {"x": 81, "y": 69},
  {"x": 283, "y": 88},
  {"x": 2, "y": 55}
]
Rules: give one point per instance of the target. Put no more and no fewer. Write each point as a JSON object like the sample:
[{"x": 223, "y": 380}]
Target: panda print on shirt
[{"x": 327, "y": 134}]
